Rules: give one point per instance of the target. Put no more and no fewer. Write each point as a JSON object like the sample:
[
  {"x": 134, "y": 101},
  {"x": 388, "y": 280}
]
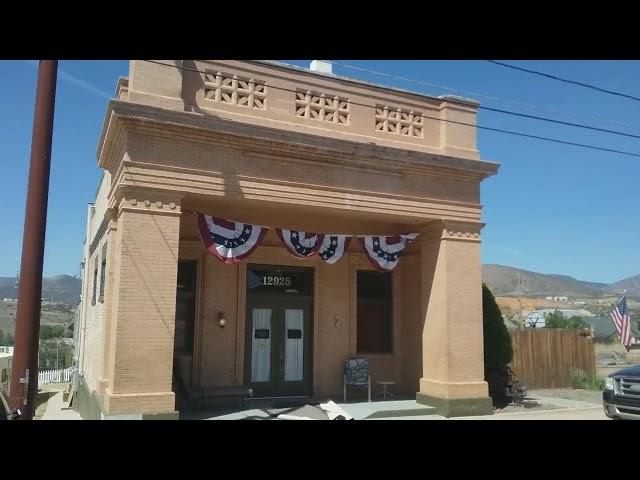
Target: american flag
[{"x": 622, "y": 321}]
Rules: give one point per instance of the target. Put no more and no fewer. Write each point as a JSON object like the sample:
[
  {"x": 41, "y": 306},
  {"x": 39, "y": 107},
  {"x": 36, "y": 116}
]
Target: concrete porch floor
[
  {"x": 358, "y": 410},
  {"x": 551, "y": 408}
]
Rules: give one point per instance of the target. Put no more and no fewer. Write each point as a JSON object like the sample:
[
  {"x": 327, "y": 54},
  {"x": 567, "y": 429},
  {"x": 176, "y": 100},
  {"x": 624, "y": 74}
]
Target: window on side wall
[
  {"x": 95, "y": 282},
  {"x": 103, "y": 273},
  {"x": 374, "y": 330}
]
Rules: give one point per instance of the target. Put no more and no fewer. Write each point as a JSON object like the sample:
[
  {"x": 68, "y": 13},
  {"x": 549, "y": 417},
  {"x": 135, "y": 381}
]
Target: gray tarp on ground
[{"x": 324, "y": 411}]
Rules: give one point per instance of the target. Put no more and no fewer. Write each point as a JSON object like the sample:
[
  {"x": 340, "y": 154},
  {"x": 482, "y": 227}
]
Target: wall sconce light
[{"x": 221, "y": 320}]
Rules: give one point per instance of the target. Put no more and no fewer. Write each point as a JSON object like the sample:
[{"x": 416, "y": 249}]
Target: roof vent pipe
[{"x": 321, "y": 66}]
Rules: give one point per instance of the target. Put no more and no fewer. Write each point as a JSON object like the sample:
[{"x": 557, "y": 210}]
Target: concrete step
[{"x": 387, "y": 409}]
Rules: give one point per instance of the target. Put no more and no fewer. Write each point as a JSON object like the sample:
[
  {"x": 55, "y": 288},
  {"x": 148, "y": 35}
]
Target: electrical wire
[
  {"x": 488, "y": 97},
  {"x": 565, "y": 80},
  {"x": 480, "y": 127}
]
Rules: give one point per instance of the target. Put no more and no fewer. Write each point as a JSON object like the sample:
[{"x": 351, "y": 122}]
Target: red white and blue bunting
[
  {"x": 333, "y": 247},
  {"x": 384, "y": 252},
  {"x": 231, "y": 241},
  {"x": 300, "y": 244}
]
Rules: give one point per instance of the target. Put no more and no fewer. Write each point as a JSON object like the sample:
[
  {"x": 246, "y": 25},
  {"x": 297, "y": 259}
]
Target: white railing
[{"x": 54, "y": 376}]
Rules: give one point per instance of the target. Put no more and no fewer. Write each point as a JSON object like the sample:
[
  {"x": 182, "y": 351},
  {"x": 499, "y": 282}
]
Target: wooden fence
[{"x": 543, "y": 358}]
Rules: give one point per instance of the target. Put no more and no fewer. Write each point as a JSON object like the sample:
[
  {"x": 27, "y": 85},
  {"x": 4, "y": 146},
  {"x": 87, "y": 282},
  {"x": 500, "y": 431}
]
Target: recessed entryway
[{"x": 278, "y": 349}]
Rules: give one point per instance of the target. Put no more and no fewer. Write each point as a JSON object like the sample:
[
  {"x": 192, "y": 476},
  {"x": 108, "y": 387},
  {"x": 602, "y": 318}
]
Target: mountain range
[
  {"x": 509, "y": 281},
  {"x": 61, "y": 288},
  {"x": 502, "y": 280}
]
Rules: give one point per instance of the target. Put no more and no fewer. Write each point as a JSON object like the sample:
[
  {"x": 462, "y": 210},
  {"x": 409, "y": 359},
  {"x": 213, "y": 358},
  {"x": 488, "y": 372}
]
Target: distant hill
[
  {"x": 509, "y": 281},
  {"x": 61, "y": 288},
  {"x": 631, "y": 285}
]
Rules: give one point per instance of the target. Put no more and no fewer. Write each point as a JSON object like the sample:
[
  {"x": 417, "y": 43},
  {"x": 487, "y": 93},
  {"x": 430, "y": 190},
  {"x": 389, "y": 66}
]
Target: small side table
[{"x": 385, "y": 393}]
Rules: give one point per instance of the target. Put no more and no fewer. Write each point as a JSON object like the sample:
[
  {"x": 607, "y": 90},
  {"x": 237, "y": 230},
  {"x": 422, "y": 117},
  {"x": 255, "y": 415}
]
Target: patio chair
[{"x": 356, "y": 373}]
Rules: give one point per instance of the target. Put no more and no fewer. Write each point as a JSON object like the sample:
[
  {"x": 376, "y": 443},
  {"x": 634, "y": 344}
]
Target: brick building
[{"x": 281, "y": 146}]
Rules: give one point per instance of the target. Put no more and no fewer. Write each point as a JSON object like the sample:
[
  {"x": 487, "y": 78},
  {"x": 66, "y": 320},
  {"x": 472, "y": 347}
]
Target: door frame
[
  {"x": 189, "y": 253},
  {"x": 281, "y": 301}
]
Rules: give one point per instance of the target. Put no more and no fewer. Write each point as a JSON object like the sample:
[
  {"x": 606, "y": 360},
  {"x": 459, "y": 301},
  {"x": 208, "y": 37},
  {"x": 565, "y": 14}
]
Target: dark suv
[{"x": 621, "y": 396}]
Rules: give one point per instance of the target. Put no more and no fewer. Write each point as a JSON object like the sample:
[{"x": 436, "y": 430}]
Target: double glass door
[{"x": 278, "y": 346}]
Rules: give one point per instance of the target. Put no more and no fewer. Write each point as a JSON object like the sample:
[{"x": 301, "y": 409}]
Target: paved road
[{"x": 589, "y": 413}]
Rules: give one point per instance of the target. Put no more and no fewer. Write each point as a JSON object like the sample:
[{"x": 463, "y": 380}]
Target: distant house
[
  {"x": 558, "y": 299},
  {"x": 6, "y": 358},
  {"x": 604, "y": 328},
  {"x": 536, "y": 318},
  {"x": 568, "y": 313}
]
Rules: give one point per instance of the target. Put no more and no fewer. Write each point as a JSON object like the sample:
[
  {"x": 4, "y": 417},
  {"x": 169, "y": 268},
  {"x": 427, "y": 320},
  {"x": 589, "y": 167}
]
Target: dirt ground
[
  {"x": 590, "y": 396},
  {"x": 592, "y": 413},
  {"x": 511, "y": 303},
  {"x": 557, "y": 398},
  {"x": 614, "y": 354}
]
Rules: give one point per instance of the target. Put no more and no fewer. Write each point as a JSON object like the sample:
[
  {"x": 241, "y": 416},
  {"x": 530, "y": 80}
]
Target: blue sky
[{"x": 552, "y": 208}]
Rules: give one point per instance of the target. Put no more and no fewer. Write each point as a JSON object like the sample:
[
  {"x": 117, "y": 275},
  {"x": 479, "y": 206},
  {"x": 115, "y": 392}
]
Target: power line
[
  {"x": 573, "y": 82},
  {"x": 480, "y": 127},
  {"x": 534, "y": 117},
  {"x": 506, "y": 112},
  {"x": 488, "y": 97}
]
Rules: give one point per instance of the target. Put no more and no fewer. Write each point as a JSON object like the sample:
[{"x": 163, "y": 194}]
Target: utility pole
[
  {"x": 24, "y": 374},
  {"x": 519, "y": 292}
]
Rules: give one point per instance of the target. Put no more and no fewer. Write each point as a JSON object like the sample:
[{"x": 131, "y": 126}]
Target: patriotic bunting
[
  {"x": 229, "y": 241},
  {"x": 300, "y": 244},
  {"x": 333, "y": 247},
  {"x": 384, "y": 252}
]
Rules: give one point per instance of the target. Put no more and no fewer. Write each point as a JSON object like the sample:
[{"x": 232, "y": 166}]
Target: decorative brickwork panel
[
  {"x": 398, "y": 121},
  {"x": 234, "y": 90},
  {"x": 322, "y": 107}
]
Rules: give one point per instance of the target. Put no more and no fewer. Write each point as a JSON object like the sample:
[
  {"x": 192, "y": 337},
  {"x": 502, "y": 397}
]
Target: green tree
[
  {"x": 6, "y": 339},
  {"x": 52, "y": 331},
  {"x": 54, "y": 354},
  {"x": 498, "y": 351},
  {"x": 557, "y": 320}
]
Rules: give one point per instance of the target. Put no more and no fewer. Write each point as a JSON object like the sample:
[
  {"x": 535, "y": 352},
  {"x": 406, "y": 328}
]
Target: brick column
[
  {"x": 452, "y": 335},
  {"x": 140, "y": 354}
]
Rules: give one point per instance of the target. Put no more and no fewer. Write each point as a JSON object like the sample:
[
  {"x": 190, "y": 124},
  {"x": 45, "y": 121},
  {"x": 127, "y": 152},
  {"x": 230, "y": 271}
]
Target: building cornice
[
  {"x": 451, "y": 230},
  {"x": 274, "y": 141}
]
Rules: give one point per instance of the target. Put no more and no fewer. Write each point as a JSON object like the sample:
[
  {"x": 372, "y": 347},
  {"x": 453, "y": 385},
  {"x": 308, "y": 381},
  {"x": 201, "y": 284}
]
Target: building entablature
[
  {"x": 164, "y": 150},
  {"x": 296, "y": 99}
]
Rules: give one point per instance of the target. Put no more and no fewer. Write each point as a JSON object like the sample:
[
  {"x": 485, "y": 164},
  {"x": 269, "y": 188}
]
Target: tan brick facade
[{"x": 172, "y": 143}]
